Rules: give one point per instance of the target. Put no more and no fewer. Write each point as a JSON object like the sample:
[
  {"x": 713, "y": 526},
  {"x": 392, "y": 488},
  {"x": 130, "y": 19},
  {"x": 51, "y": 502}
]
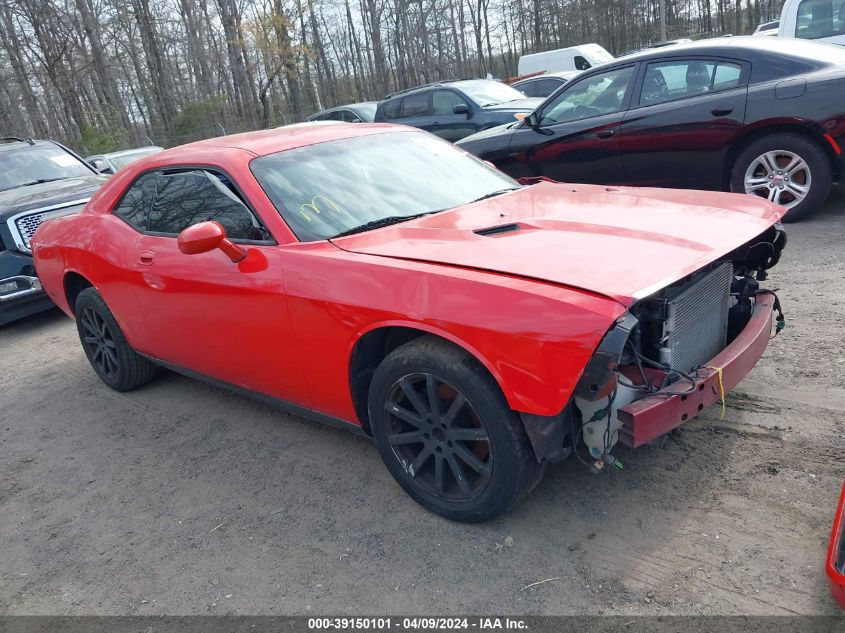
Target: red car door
[
  {"x": 203, "y": 312},
  {"x": 683, "y": 121}
]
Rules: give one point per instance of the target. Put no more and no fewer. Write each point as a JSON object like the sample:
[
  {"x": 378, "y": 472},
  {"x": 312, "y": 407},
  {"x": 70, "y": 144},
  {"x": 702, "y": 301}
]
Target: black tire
[
  {"x": 819, "y": 172},
  {"x": 113, "y": 360},
  {"x": 497, "y": 471}
]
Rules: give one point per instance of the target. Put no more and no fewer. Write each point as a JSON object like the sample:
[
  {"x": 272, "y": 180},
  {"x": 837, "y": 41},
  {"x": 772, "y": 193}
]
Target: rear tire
[
  {"x": 789, "y": 169},
  {"x": 467, "y": 457},
  {"x": 111, "y": 357}
]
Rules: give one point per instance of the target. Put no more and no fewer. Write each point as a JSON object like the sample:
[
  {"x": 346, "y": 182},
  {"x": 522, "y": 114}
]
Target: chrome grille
[
  {"x": 24, "y": 225},
  {"x": 696, "y": 323}
]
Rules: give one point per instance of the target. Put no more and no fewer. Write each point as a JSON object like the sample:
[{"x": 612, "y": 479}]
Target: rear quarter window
[
  {"x": 392, "y": 109},
  {"x": 415, "y": 105}
]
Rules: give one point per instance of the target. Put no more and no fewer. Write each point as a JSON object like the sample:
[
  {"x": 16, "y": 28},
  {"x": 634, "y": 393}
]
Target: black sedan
[{"x": 763, "y": 116}]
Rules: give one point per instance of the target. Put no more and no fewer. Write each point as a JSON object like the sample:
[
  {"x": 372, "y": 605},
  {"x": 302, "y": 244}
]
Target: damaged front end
[{"x": 674, "y": 353}]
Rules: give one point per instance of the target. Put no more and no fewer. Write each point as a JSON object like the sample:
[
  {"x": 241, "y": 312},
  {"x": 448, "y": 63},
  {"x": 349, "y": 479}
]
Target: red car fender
[
  {"x": 533, "y": 337},
  {"x": 836, "y": 552},
  {"x": 430, "y": 329}
]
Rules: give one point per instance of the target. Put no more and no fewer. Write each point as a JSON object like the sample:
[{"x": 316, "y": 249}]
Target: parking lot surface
[{"x": 182, "y": 498}]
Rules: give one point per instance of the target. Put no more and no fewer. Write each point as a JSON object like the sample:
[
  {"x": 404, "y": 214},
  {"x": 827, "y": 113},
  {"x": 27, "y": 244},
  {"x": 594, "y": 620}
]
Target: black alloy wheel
[
  {"x": 445, "y": 432},
  {"x": 110, "y": 355},
  {"x": 99, "y": 341},
  {"x": 437, "y": 435}
]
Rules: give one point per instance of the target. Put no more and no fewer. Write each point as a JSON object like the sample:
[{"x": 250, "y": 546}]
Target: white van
[
  {"x": 572, "y": 58},
  {"x": 820, "y": 20}
]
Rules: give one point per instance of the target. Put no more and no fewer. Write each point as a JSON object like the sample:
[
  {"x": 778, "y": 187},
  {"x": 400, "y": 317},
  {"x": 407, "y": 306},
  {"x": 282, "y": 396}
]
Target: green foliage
[
  {"x": 198, "y": 119},
  {"x": 97, "y": 141}
]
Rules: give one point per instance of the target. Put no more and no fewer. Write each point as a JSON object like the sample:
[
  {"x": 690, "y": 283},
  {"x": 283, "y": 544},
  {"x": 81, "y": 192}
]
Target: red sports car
[
  {"x": 378, "y": 277},
  {"x": 835, "y": 565}
]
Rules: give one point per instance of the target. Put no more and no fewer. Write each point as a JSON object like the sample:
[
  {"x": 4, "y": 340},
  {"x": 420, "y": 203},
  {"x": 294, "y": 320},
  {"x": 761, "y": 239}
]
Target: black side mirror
[
  {"x": 461, "y": 108},
  {"x": 532, "y": 121}
]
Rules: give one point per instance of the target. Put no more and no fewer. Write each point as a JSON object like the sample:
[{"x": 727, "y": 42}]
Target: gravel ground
[{"x": 181, "y": 498}]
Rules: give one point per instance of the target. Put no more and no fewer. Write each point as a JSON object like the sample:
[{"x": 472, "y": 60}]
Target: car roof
[
  {"x": 560, "y": 74},
  {"x": 127, "y": 152},
  {"x": 452, "y": 83},
  {"x": 24, "y": 143},
  {"x": 263, "y": 142},
  {"x": 729, "y": 46}
]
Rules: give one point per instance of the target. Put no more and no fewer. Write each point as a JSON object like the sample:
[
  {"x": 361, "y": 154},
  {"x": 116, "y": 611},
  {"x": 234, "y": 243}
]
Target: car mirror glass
[{"x": 461, "y": 108}]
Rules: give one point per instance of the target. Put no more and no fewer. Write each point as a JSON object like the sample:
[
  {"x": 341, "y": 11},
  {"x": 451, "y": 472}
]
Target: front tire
[
  {"x": 111, "y": 357},
  {"x": 446, "y": 434},
  {"x": 788, "y": 169}
]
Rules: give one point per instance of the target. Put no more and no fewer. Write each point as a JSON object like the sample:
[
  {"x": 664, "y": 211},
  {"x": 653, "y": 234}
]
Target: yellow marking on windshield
[{"x": 314, "y": 206}]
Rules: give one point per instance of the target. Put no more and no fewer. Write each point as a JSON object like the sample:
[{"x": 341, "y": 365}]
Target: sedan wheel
[
  {"x": 446, "y": 433},
  {"x": 780, "y": 176},
  {"x": 791, "y": 170}
]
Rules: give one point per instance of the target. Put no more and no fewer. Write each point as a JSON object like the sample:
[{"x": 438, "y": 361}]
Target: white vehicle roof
[{"x": 563, "y": 59}]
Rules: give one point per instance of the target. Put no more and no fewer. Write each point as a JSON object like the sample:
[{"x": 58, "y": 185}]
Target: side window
[
  {"x": 668, "y": 81},
  {"x": 415, "y": 105},
  {"x": 392, "y": 109},
  {"x": 820, "y": 18},
  {"x": 727, "y": 76},
  {"x": 186, "y": 198},
  {"x": 603, "y": 93},
  {"x": 529, "y": 88},
  {"x": 444, "y": 101},
  {"x": 581, "y": 63},
  {"x": 135, "y": 203},
  {"x": 348, "y": 116},
  {"x": 545, "y": 87}
]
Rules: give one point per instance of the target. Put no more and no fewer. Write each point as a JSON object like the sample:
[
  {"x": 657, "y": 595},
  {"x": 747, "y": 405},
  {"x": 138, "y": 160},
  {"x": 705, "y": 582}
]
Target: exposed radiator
[{"x": 696, "y": 323}]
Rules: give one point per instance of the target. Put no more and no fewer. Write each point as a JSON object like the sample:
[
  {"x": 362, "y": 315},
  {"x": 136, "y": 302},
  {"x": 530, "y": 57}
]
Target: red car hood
[{"x": 621, "y": 242}]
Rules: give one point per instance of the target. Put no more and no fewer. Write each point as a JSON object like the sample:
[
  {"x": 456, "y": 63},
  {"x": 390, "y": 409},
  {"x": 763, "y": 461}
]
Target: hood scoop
[{"x": 497, "y": 230}]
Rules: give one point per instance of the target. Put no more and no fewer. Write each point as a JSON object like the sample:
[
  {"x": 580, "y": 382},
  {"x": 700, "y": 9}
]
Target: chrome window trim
[{"x": 53, "y": 210}]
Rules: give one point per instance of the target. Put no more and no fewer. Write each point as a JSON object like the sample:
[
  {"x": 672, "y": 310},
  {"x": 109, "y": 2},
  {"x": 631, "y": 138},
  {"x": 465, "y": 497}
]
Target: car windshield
[
  {"x": 486, "y": 92},
  {"x": 122, "y": 160},
  {"x": 33, "y": 165},
  {"x": 367, "y": 111},
  {"x": 330, "y": 188}
]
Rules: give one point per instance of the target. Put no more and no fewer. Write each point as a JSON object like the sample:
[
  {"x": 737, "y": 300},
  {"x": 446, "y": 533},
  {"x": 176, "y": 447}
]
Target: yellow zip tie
[{"x": 718, "y": 370}]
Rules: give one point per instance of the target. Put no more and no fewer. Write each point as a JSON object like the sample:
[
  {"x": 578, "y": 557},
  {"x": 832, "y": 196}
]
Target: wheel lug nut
[
  {"x": 771, "y": 186},
  {"x": 781, "y": 187}
]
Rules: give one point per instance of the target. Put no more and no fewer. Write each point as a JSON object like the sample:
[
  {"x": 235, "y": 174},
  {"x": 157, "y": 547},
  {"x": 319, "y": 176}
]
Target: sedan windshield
[
  {"x": 338, "y": 187},
  {"x": 367, "y": 111},
  {"x": 486, "y": 92},
  {"x": 38, "y": 164}
]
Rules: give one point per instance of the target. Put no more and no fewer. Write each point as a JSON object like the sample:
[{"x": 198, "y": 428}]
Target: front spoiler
[{"x": 656, "y": 414}]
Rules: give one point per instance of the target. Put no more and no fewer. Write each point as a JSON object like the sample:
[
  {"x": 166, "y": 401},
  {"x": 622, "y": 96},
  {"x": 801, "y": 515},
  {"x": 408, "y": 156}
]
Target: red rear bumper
[{"x": 652, "y": 416}]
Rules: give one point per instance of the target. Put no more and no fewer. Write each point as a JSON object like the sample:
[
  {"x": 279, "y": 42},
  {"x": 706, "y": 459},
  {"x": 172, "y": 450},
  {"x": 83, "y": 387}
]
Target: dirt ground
[{"x": 181, "y": 498}]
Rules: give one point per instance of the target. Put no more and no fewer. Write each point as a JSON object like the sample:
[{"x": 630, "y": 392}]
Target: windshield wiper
[
  {"x": 377, "y": 224},
  {"x": 493, "y": 194}
]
